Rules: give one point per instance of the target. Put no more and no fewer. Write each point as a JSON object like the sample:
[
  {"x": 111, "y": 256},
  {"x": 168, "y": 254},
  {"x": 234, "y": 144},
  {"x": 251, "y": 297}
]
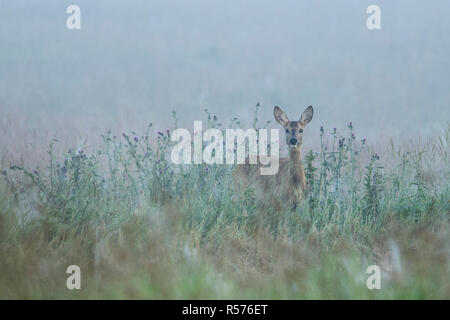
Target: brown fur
[{"x": 288, "y": 186}]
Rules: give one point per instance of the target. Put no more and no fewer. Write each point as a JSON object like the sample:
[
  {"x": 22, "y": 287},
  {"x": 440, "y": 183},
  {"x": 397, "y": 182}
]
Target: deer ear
[
  {"x": 307, "y": 115},
  {"x": 280, "y": 116}
]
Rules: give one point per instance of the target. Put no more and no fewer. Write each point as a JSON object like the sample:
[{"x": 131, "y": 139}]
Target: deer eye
[
  {"x": 287, "y": 130},
  {"x": 300, "y": 130}
]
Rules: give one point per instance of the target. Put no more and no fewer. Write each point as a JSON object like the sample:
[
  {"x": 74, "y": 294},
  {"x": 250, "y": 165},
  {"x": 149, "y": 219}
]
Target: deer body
[{"x": 288, "y": 186}]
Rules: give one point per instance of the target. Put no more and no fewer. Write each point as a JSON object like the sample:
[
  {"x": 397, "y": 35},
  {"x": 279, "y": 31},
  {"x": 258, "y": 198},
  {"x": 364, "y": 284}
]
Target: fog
[{"x": 133, "y": 62}]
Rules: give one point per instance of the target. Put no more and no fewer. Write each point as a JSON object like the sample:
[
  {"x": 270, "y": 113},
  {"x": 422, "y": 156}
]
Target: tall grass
[{"x": 141, "y": 227}]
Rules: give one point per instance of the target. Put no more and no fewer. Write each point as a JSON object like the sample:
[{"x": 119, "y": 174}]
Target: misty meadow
[{"x": 87, "y": 179}]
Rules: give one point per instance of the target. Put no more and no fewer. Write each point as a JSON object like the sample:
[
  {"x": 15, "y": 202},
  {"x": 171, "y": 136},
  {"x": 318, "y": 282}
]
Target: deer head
[{"x": 293, "y": 129}]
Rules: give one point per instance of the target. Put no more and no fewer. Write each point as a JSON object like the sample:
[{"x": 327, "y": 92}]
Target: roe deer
[{"x": 289, "y": 184}]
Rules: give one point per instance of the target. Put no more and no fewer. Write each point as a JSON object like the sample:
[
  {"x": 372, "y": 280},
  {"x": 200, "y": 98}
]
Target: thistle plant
[{"x": 373, "y": 187}]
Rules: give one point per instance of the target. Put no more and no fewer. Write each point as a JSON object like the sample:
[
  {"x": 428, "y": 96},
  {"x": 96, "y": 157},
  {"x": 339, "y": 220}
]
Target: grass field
[{"x": 140, "y": 227}]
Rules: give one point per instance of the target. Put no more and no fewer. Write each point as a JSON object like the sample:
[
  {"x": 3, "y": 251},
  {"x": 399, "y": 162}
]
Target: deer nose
[{"x": 293, "y": 141}]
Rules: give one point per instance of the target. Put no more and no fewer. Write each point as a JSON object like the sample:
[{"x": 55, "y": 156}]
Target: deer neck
[{"x": 297, "y": 173}]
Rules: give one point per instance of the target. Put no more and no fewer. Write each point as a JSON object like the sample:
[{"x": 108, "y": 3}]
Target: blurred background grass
[{"x": 133, "y": 62}]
